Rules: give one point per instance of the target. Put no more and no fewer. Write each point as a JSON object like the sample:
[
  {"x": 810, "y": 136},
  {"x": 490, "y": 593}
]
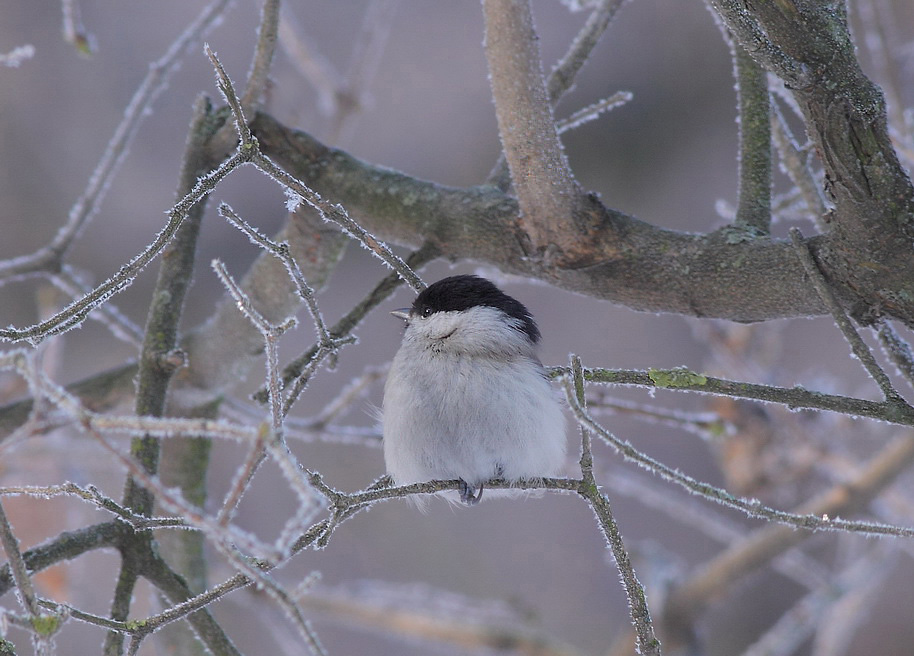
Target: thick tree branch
[
  {"x": 547, "y": 193},
  {"x": 629, "y": 261},
  {"x": 872, "y": 227}
]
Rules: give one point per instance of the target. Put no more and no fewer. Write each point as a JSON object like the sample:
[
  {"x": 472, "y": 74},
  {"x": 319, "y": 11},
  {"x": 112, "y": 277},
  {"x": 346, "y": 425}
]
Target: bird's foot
[{"x": 469, "y": 494}]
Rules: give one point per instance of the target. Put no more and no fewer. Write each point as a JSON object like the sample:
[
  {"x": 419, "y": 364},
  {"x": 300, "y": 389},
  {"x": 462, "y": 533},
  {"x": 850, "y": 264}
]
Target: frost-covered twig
[
  {"x": 73, "y": 29},
  {"x": 712, "y": 521},
  {"x": 42, "y": 626},
  {"x": 73, "y": 315},
  {"x": 95, "y": 497},
  {"x": 10, "y": 545},
  {"x": 593, "y": 111},
  {"x": 296, "y": 372},
  {"x": 794, "y": 398},
  {"x": 689, "y": 599},
  {"x": 172, "y": 501},
  {"x": 330, "y": 211},
  {"x": 704, "y": 424},
  {"x": 259, "y": 75},
  {"x": 858, "y": 346},
  {"x": 70, "y": 282},
  {"x": 262, "y": 579},
  {"x": 271, "y": 440},
  {"x": 282, "y": 253},
  {"x": 16, "y": 56},
  {"x": 647, "y": 642},
  {"x": 155, "y": 82},
  {"x": 897, "y": 349},
  {"x": 751, "y": 507},
  {"x": 270, "y": 332}
]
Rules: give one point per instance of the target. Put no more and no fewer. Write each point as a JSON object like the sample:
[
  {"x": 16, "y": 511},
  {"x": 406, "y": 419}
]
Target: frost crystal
[
  {"x": 16, "y": 56},
  {"x": 293, "y": 200}
]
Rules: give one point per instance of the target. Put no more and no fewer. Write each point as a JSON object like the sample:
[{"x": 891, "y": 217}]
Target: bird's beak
[{"x": 402, "y": 313}]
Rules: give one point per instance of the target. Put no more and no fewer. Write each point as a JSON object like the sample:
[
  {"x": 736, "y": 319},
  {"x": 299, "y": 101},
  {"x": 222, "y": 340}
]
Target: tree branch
[{"x": 548, "y": 196}]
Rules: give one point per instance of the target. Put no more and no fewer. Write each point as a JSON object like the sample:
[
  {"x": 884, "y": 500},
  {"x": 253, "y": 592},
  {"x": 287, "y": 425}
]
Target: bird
[{"x": 466, "y": 396}]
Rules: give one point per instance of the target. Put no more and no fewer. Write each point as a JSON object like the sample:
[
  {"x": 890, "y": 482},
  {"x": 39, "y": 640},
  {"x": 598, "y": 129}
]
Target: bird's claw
[{"x": 469, "y": 494}]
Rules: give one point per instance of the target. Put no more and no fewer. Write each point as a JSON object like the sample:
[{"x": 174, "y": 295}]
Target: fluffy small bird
[{"x": 466, "y": 397}]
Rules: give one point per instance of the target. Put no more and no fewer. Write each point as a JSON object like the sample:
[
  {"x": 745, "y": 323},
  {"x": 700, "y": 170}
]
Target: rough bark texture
[
  {"x": 630, "y": 262},
  {"x": 866, "y": 254}
]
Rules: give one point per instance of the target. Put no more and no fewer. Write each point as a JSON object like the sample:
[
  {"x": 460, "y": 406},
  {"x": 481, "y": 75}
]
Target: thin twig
[
  {"x": 640, "y": 612},
  {"x": 27, "y": 596},
  {"x": 795, "y": 163},
  {"x": 259, "y": 76},
  {"x": 858, "y": 346},
  {"x": 593, "y": 111},
  {"x": 282, "y": 253},
  {"x": 72, "y": 315},
  {"x": 753, "y": 211},
  {"x": 328, "y": 210},
  {"x": 99, "y": 500},
  {"x": 295, "y": 372},
  {"x": 794, "y": 398},
  {"x": 897, "y": 349},
  {"x": 751, "y": 507},
  {"x": 155, "y": 82}
]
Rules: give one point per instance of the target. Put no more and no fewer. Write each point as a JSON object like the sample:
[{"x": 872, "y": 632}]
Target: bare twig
[
  {"x": 74, "y": 32},
  {"x": 155, "y": 82},
  {"x": 858, "y": 346},
  {"x": 72, "y": 315},
  {"x": 259, "y": 76},
  {"x": 95, "y": 497},
  {"x": 794, "y": 398},
  {"x": 297, "y": 371},
  {"x": 647, "y": 642},
  {"x": 328, "y": 210},
  {"x": 688, "y": 600},
  {"x": 751, "y": 507},
  {"x": 593, "y": 111},
  {"x": 897, "y": 349},
  {"x": 282, "y": 253},
  {"x": 795, "y": 163},
  {"x": 753, "y": 211},
  {"x": 20, "y": 574}
]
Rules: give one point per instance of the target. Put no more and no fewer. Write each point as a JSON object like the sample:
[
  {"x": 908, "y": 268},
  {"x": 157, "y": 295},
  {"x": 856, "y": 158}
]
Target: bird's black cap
[{"x": 458, "y": 293}]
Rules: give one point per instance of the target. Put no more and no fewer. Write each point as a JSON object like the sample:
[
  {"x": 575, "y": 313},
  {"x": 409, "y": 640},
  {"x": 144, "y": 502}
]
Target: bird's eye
[{"x": 426, "y": 312}]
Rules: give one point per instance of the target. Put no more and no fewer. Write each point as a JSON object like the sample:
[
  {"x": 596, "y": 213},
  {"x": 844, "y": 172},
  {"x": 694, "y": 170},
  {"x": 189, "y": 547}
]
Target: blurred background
[{"x": 667, "y": 157}]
